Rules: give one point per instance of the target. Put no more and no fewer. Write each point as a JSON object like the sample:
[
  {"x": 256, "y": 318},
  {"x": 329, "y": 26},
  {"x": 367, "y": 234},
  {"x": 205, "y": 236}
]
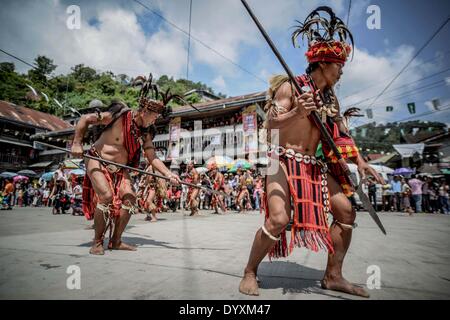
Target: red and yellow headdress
[{"x": 321, "y": 33}]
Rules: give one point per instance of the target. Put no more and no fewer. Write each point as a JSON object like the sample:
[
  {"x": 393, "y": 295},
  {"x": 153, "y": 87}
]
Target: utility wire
[
  {"x": 189, "y": 40},
  {"x": 405, "y": 85},
  {"x": 200, "y": 41},
  {"x": 409, "y": 62},
  {"x": 380, "y": 82}
]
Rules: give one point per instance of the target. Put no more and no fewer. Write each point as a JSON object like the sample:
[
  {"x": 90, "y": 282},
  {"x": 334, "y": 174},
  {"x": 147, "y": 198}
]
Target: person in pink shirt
[{"x": 416, "y": 190}]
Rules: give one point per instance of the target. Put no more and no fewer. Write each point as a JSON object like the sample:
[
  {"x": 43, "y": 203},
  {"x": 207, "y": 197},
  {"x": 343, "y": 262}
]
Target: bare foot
[
  {"x": 97, "y": 248},
  {"x": 121, "y": 246},
  {"x": 343, "y": 285},
  {"x": 249, "y": 285},
  {"x": 153, "y": 220}
]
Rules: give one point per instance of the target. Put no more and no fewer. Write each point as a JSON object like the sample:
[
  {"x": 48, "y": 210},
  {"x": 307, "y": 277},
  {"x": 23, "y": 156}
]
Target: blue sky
[{"x": 124, "y": 37}]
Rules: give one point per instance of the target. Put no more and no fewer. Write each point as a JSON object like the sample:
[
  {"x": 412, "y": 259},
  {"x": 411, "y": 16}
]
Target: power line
[
  {"x": 416, "y": 91},
  {"x": 348, "y": 12},
  {"x": 405, "y": 85},
  {"x": 200, "y": 41},
  {"x": 409, "y": 62},
  {"x": 189, "y": 40},
  {"x": 19, "y": 59},
  {"x": 380, "y": 82},
  {"x": 443, "y": 108}
]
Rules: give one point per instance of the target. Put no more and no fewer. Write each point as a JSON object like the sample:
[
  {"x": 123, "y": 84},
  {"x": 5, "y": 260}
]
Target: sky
[{"x": 228, "y": 53}]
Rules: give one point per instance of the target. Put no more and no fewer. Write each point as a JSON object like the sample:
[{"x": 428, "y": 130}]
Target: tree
[
  {"x": 7, "y": 67},
  {"x": 83, "y": 74},
  {"x": 44, "y": 67}
]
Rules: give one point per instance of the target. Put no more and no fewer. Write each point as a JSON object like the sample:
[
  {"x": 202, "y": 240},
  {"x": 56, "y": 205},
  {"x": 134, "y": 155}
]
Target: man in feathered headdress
[
  {"x": 108, "y": 195},
  {"x": 296, "y": 176},
  {"x": 218, "y": 184},
  {"x": 192, "y": 176}
]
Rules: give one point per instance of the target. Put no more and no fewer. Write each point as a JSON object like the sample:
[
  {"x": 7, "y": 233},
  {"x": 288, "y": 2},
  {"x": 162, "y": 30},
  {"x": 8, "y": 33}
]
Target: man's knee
[
  {"x": 277, "y": 222},
  {"x": 345, "y": 214},
  {"x": 105, "y": 198}
]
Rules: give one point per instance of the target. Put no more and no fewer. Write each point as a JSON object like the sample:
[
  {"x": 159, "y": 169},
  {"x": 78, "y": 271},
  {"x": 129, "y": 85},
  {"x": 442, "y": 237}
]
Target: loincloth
[
  {"x": 308, "y": 186},
  {"x": 114, "y": 176}
]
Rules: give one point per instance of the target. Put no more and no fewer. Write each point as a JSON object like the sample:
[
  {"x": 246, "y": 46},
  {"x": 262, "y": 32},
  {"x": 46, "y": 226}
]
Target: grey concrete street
[{"x": 182, "y": 257}]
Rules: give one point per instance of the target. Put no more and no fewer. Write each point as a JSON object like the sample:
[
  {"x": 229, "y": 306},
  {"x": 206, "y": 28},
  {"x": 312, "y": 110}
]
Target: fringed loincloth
[
  {"x": 90, "y": 198},
  {"x": 307, "y": 180}
]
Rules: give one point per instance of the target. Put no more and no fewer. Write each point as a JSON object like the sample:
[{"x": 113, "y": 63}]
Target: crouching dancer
[
  {"x": 315, "y": 188},
  {"x": 108, "y": 195}
]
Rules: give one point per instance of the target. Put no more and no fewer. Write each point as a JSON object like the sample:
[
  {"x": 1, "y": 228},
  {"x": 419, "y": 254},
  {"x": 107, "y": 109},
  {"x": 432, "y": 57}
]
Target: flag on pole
[
  {"x": 389, "y": 108},
  {"x": 412, "y": 107},
  {"x": 436, "y": 103}
]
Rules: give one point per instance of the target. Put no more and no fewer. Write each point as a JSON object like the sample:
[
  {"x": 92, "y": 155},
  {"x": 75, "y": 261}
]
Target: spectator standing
[
  {"x": 406, "y": 193},
  {"x": 387, "y": 196},
  {"x": 416, "y": 191},
  {"x": 258, "y": 191},
  {"x": 425, "y": 195},
  {"x": 397, "y": 193},
  {"x": 8, "y": 194},
  {"x": 372, "y": 186},
  {"x": 443, "y": 197}
]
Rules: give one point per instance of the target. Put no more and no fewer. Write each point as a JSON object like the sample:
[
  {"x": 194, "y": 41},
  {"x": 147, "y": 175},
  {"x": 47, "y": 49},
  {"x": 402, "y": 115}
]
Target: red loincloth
[
  {"x": 311, "y": 200},
  {"x": 131, "y": 135}
]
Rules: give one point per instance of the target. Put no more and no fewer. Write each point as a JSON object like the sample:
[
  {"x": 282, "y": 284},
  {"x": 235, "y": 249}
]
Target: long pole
[
  {"x": 123, "y": 166},
  {"x": 324, "y": 132}
]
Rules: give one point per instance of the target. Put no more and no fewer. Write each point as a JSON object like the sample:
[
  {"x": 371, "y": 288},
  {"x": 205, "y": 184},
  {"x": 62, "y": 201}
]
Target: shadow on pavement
[
  {"x": 292, "y": 278},
  {"x": 136, "y": 241}
]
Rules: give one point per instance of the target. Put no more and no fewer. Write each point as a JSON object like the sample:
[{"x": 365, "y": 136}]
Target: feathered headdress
[
  {"x": 321, "y": 34},
  {"x": 150, "y": 97}
]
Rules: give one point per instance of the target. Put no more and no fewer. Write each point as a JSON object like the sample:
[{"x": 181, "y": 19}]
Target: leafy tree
[
  {"x": 44, "y": 67},
  {"x": 82, "y": 73}
]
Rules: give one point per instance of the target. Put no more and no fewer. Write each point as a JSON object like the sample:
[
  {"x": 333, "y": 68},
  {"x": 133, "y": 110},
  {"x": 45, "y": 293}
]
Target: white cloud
[
  {"x": 118, "y": 43},
  {"x": 367, "y": 75},
  {"x": 219, "y": 83}
]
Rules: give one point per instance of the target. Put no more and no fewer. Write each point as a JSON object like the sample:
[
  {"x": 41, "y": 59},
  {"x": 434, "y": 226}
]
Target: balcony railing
[{"x": 13, "y": 159}]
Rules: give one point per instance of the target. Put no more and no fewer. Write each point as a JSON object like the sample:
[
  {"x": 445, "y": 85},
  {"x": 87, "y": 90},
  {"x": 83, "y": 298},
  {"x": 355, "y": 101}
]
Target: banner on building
[
  {"x": 174, "y": 138},
  {"x": 250, "y": 128}
]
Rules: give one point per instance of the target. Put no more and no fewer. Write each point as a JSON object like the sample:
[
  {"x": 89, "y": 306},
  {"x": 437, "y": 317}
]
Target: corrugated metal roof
[
  {"x": 31, "y": 117},
  {"x": 219, "y": 103},
  {"x": 183, "y": 110}
]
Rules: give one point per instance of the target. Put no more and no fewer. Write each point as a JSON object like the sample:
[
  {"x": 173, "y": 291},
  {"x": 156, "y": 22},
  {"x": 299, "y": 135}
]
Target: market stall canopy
[
  {"x": 408, "y": 150},
  {"x": 44, "y": 164}
]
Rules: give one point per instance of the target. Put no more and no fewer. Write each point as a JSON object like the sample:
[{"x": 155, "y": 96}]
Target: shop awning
[
  {"x": 17, "y": 143},
  {"x": 44, "y": 164}
]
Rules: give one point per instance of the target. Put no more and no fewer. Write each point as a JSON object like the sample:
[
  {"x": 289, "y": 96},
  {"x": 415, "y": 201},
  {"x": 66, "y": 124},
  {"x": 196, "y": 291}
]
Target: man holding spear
[
  {"x": 295, "y": 175},
  {"x": 108, "y": 196}
]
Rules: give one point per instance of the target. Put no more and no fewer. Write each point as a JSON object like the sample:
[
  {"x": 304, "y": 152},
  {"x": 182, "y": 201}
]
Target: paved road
[{"x": 202, "y": 258}]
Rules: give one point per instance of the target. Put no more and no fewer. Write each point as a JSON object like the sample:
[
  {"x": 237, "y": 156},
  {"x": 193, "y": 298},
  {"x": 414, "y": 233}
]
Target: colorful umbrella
[
  {"x": 221, "y": 161},
  {"x": 240, "y": 163},
  {"x": 19, "y": 178},
  {"x": 28, "y": 173},
  {"x": 7, "y": 174},
  {"x": 48, "y": 176},
  {"x": 77, "y": 172},
  {"x": 403, "y": 171}
]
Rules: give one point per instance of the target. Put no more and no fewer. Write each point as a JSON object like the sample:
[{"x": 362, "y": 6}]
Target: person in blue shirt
[{"x": 397, "y": 190}]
